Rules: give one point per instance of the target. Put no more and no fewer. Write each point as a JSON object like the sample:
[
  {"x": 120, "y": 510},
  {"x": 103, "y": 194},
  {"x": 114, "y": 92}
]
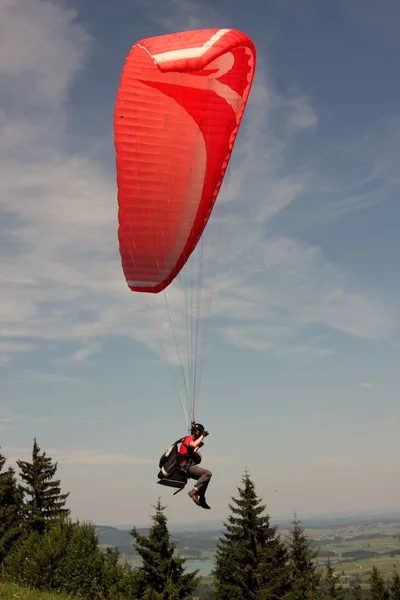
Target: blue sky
[{"x": 300, "y": 381}]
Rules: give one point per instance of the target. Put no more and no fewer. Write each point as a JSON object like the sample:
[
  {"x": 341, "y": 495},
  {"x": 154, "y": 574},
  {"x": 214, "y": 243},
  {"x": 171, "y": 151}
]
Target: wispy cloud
[
  {"x": 60, "y": 274},
  {"x": 87, "y": 350},
  {"x": 81, "y": 457},
  {"x": 175, "y": 15},
  {"x": 9, "y": 349},
  {"x": 366, "y": 384},
  {"x": 285, "y": 287},
  {"x": 7, "y": 418},
  {"x": 30, "y": 376}
]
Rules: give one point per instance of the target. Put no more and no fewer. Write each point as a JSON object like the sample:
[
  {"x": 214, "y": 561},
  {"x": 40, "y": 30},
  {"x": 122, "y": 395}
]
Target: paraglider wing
[{"x": 178, "y": 109}]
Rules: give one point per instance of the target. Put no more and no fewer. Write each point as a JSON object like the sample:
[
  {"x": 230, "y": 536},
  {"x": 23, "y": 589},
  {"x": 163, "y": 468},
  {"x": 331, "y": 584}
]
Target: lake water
[{"x": 205, "y": 566}]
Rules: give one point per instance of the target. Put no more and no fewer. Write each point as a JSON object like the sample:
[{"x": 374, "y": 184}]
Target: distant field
[
  {"x": 208, "y": 554},
  {"x": 366, "y": 536},
  {"x": 374, "y": 538},
  {"x": 353, "y": 539},
  {"x": 351, "y": 530},
  {"x": 11, "y": 591},
  {"x": 381, "y": 544},
  {"x": 386, "y": 564}
]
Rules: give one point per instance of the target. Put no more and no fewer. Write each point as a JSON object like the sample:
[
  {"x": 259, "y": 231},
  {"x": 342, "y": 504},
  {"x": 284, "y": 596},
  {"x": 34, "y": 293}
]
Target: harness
[{"x": 174, "y": 466}]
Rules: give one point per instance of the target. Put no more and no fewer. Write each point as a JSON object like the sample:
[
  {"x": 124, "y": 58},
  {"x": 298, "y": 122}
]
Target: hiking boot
[
  {"x": 203, "y": 503},
  {"x": 194, "y": 496}
]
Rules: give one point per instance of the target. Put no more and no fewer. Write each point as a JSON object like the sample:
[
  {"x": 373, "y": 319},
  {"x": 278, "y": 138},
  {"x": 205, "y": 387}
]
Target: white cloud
[
  {"x": 60, "y": 273},
  {"x": 30, "y": 376},
  {"x": 44, "y": 57},
  {"x": 176, "y": 15},
  {"x": 302, "y": 115},
  {"x": 9, "y": 349},
  {"x": 366, "y": 384},
  {"x": 87, "y": 350},
  {"x": 284, "y": 287}
]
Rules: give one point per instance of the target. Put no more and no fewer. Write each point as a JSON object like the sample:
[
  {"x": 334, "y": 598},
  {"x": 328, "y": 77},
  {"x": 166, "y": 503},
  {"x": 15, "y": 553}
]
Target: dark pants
[{"x": 203, "y": 477}]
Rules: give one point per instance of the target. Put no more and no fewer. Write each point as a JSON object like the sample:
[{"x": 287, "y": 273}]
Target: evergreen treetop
[
  {"x": 395, "y": 587},
  {"x": 11, "y": 509},
  {"x": 46, "y": 502},
  {"x": 358, "y": 593},
  {"x": 162, "y": 575},
  {"x": 304, "y": 575},
  {"x": 332, "y": 589},
  {"x": 378, "y": 589},
  {"x": 251, "y": 560}
]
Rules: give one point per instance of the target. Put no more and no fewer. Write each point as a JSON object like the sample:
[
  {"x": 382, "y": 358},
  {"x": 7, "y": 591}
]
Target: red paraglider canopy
[{"x": 178, "y": 110}]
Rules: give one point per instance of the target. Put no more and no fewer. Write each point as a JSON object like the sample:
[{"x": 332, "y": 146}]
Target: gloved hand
[{"x": 206, "y": 434}]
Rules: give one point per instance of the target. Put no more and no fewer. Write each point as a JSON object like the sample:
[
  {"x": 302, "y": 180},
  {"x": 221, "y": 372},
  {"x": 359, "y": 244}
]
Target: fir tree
[
  {"x": 251, "y": 560},
  {"x": 11, "y": 506},
  {"x": 332, "y": 590},
  {"x": 378, "y": 589},
  {"x": 358, "y": 593},
  {"x": 304, "y": 574},
  {"x": 395, "y": 587},
  {"x": 46, "y": 503},
  {"x": 162, "y": 575}
]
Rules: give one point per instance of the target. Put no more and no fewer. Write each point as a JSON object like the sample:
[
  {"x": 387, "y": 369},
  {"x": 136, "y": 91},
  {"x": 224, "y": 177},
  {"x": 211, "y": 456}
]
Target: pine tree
[
  {"x": 332, "y": 590},
  {"x": 358, "y": 593},
  {"x": 162, "y": 575},
  {"x": 395, "y": 587},
  {"x": 251, "y": 560},
  {"x": 378, "y": 589},
  {"x": 46, "y": 503},
  {"x": 304, "y": 574},
  {"x": 11, "y": 506}
]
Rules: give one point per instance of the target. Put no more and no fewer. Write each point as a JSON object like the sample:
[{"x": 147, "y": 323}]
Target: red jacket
[{"x": 185, "y": 448}]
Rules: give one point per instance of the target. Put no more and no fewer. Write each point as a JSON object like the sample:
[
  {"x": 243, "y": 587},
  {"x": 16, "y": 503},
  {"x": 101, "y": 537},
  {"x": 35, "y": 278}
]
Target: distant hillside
[
  {"x": 346, "y": 521},
  {"x": 205, "y": 536},
  {"x": 309, "y": 521},
  {"x": 120, "y": 538}
]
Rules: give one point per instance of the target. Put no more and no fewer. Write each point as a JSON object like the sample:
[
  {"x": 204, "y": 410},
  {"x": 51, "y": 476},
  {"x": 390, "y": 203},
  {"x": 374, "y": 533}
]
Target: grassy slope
[{"x": 12, "y": 591}]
